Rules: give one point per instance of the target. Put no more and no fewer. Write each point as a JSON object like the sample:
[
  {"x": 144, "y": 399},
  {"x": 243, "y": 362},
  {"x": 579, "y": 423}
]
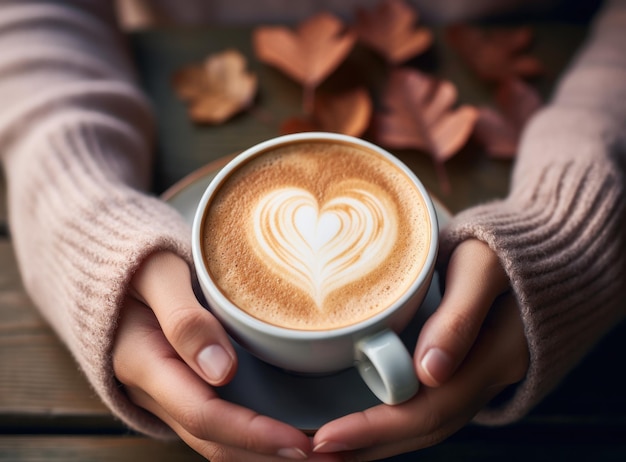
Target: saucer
[{"x": 304, "y": 402}]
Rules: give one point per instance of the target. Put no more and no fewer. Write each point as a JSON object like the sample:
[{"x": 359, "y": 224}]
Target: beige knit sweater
[{"x": 75, "y": 143}]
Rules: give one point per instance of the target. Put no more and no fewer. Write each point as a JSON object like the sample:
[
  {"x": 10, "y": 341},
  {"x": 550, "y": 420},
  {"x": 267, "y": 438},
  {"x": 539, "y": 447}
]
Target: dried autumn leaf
[
  {"x": 308, "y": 54},
  {"x": 390, "y": 30},
  {"x": 348, "y": 113},
  {"x": 218, "y": 88},
  {"x": 499, "y": 130},
  {"x": 495, "y": 54},
  {"x": 420, "y": 115}
]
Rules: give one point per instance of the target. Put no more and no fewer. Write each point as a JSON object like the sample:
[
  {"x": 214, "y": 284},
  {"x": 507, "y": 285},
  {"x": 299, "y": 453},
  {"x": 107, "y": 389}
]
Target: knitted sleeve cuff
[
  {"x": 80, "y": 232},
  {"x": 559, "y": 236}
]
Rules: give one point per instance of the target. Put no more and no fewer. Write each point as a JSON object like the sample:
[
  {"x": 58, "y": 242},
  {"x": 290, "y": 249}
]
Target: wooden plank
[
  {"x": 133, "y": 449},
  {"x": 38, "y": 376},
  {"x": 101, "y": 449},
  {"x": 17, "y": 312}
]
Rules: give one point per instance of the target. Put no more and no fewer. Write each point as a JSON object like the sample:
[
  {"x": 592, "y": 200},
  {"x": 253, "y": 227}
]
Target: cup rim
[{"x": 300, "y": 334}]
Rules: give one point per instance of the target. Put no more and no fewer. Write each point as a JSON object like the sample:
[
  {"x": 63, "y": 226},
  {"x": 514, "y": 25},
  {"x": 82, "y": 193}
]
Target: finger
[
  {"x": 220, "y": 453},
  {"x": 385, "y": 451},
  {"x": 433, "y": 415},
  {"x": 160, "y": 382},
  {"x": 473, "y": 281},
  {"x": 499, "y": 358},
  {"x": 163, "y": 283}
]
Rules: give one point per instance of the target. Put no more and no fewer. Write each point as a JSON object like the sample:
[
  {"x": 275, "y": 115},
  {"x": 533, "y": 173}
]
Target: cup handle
[{"x": 386, "y": 367}]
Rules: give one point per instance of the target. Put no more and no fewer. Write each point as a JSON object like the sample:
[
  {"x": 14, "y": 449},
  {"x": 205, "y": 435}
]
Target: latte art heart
[{"x": 322, "y": 247}]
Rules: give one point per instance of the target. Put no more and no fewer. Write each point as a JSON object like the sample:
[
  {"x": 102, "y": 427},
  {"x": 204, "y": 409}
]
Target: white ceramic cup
[{"x": 372, "y": 345}]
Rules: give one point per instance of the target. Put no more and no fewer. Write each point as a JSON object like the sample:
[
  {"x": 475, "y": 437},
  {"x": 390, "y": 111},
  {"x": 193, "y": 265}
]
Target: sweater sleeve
[
  {"x": 560, "y": 234},
  {"x": 75, "y": 145}
]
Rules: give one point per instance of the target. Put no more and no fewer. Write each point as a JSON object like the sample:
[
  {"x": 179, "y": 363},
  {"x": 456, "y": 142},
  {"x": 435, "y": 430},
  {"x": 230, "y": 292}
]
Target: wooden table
[{"x": 47, "y": 410}]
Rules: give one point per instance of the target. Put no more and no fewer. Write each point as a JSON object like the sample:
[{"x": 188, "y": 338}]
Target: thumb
[
  {"x": 474, "y": 279},
  {"x": 163, "y": 282}
]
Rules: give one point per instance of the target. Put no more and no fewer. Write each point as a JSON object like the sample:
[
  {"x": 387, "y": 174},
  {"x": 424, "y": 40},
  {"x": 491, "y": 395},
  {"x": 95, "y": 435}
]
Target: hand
[
  {"x": 169, "y": 351},
  {"x": 479, "y": 349}
]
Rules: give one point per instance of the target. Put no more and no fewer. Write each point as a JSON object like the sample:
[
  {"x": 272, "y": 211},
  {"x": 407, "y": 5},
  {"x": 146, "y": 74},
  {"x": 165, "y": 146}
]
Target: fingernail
[
  {"x": 330, "y": 446},
  {"x": 215, "y": 362},
  {"x": 437, "y": 364},
  {"x": 292, "y": 453}
]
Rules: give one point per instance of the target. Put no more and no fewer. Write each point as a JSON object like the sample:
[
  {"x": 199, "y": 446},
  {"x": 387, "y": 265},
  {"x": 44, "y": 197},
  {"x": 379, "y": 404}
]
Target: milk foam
[
  {"x": 316, "y": 236},
  {"x": 322, "y": 247}
]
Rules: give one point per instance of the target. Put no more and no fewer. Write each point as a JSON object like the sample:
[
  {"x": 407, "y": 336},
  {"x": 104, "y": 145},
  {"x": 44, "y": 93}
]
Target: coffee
[{"x": 316, "y": 235}]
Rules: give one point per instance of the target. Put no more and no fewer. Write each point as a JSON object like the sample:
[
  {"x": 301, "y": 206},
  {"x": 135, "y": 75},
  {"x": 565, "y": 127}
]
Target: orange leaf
[
  {"x": 419, "y": 115},
  {"x": 348, "y": 113},
  {"x": 495, "y": 54},
  {"x": 389, "y": 29},
  {"x": 310, "y": 53},
  {"x": 218, "y": 88},
  {"x": 499, "y": 131}
]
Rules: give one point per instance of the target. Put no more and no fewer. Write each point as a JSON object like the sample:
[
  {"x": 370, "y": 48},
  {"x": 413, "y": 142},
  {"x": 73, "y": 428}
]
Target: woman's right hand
[{"x": 169, "y": 352}]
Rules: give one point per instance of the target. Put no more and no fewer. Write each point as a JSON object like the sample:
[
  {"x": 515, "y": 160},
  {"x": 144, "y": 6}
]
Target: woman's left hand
[{"x": 477, "y": 348}]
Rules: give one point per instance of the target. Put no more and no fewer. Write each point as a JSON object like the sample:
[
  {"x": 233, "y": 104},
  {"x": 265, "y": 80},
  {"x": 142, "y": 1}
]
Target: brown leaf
[
  {"x": 499, "y": 130},
  {"x": 348, "y": 113},
  {"x": 390, "y": 30},
  {"x": 308, "y": 54},
  {"x": 218, "y": 88},
  {"x": 495, "y": 54},
  {"x": 420, "y": 115}
]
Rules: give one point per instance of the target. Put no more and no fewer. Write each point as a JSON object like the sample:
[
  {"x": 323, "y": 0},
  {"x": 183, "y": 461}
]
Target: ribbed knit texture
[{"x": 75, "y": 144}]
